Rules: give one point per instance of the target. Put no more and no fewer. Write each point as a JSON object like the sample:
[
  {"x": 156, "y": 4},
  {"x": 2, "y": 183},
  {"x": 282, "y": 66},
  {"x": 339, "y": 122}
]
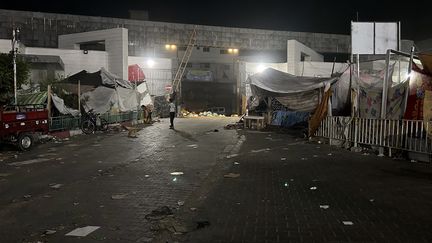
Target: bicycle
[{"x": 93, "y": 122}]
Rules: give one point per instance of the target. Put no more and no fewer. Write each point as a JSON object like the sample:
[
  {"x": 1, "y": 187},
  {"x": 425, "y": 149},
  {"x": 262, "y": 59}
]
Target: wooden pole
[
  {"x": 79, "y": 97},
  {"x": 49, "y": 101}
]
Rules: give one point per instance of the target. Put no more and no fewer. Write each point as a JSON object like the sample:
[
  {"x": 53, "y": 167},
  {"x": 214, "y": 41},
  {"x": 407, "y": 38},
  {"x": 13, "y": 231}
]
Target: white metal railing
[{"x": 409, "y": 135}]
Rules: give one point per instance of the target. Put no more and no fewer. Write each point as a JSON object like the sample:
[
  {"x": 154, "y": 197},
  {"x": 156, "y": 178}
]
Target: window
[
  {"x": 205, "y": 65},
  {"x": 206, "y": 49},
  {"x": 223, "y": 51}
]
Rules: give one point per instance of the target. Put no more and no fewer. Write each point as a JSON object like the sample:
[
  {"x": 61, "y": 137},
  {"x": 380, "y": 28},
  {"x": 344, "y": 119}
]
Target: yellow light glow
[
  {"x": 173, "y": 47},
  {"x": 167, "y": 47},
  {"x": 235, "y": 51},
  {"x": 230, "y": 50}
]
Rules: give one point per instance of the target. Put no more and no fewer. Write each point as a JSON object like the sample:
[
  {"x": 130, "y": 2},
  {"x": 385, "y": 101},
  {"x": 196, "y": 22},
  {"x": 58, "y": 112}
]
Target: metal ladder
[{"x": 182, "y": 67}]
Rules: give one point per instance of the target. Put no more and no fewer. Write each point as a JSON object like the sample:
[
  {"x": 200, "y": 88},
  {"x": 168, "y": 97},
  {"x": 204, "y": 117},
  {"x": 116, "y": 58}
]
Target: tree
[{"x": 7, "y": 78}]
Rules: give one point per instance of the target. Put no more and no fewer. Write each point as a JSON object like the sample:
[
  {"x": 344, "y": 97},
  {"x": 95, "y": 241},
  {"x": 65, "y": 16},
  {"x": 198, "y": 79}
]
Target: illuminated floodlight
[
  {"x": 167, "y": 46},
  {"x": 230, "y": 50},
  {"x": 150, "y": 63},
  {"x": 173, "y": 47},
  {"x": 260, "y": 68},
  {"x": 235, "y": 51}
]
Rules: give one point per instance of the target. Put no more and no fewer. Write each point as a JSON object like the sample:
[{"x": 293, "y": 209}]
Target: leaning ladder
[{"x": 182, "y": 67}]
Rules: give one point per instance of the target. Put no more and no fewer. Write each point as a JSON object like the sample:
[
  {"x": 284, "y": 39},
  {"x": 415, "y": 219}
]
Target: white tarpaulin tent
[{"x": 296, "y": 93}]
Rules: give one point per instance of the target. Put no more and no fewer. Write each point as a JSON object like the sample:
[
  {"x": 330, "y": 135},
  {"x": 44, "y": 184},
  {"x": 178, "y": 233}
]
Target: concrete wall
[
  {"x": 295, "y": 50},
  {"x": 42, "y": 29},
  {"x": 116, "y": 45},
  {"x": 74, "y": 60},
  {"x": 320, "y": 69}
]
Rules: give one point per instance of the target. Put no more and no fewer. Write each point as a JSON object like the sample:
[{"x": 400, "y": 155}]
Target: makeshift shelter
[
  {"x": 294, "y": 92},
  {"x": 103, "y": 92}
]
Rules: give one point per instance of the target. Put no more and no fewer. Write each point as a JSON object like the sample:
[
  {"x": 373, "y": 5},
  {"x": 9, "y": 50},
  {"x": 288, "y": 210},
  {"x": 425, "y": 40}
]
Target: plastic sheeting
[
  {"x": 128, "y": 99},
  {"x": 101, "y": 100},
  {"x": 62, "y": 108},
  {"x": 272, "y": 82},
  {"x": 289, "y": 118}
]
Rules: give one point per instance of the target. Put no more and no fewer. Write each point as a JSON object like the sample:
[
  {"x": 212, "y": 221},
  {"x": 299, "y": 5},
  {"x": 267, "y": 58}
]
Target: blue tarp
[{"x": 289, "y": 118}]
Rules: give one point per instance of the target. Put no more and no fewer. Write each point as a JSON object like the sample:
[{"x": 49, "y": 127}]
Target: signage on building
[{"x": 374, "y": 38}]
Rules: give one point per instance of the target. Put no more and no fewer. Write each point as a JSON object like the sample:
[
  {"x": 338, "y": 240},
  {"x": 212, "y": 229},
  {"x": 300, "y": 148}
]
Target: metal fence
[
  {"x": 409, "y": 135},
  {"x": 69, "y": 122}
]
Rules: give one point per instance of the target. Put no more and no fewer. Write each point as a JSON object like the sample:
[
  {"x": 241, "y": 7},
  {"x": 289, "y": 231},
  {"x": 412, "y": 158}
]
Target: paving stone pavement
[{"x": 290, "y": 190}]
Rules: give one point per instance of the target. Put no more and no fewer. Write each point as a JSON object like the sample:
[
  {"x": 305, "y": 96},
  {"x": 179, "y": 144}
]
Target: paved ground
[{"x": 288, "y": 190}]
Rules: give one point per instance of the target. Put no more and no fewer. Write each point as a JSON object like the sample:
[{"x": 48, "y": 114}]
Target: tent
[{"x": 294, "y": 92}]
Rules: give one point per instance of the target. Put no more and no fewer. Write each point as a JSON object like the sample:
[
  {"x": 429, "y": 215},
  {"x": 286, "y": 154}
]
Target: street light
[{"x": 150, "y": 63}]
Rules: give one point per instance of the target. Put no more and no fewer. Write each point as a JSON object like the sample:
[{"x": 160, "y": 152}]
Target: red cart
[{"x": 20, "y": 124}]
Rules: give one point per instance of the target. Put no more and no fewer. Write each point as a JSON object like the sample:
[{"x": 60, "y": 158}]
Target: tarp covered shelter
[{"x": 294, "y": 92}]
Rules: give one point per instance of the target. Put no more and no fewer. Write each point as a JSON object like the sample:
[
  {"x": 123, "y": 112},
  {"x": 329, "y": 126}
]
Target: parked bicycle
[{"x": 92, "y": 122}]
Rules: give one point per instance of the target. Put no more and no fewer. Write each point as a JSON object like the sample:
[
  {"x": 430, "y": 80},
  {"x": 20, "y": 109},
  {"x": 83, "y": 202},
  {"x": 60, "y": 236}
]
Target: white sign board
[{"x": 374, "y": 38}]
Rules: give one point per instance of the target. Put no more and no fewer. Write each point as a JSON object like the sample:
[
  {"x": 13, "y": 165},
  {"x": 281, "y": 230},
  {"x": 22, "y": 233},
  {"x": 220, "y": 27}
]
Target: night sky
[{"x": 301, "y": 15}]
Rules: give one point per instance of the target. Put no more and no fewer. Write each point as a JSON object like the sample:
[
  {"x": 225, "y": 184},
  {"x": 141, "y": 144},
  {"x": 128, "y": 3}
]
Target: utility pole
[{"x": 15, "y": 37}]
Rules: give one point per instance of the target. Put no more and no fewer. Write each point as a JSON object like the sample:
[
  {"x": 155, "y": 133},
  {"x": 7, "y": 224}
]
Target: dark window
[
  {"x": 223, "y": 51},
  {"x": 205, "y": 65},
  {"x": 206, "y": 49}
]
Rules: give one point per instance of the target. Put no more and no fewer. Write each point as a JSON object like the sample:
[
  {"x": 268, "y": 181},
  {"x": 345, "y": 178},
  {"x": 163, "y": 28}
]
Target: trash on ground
[
  {"x": 260, "y": 150},
  {"x": 291, "y": 179},
  {"x": 286, "y": 184},
  {"x": 324, "y": 206},
  {"x": 232, "y": 175},
  {"x": 231, "y": 156},
  {"x": 236, "y": 163},
  {"x": 365, "y": 154},
  {"x": 159, "y": 213},
  {"x": 193, "y": 209},
  {"x": 55, "y": 186},
  {"x": 27, "y": 196},
  {"x": 347, "y": 222},
  {"x": 76, "y": 203},
  {"x": 315, "y": 156},
  {"x": 175, "y": 179},
  {"x": 180, "y": 203},
  {"x": 313, "y": 188},
  {"x": 118, "y": 196},
  {"x": 82, "y": 232},
  {"x": 202, "y": 224},
  {"x": 371, "y": 200},
  {"x": 413, "y": 161},
  {"x": 303, "y": 158},
  {"x": 146, "y": 176},
  {"x": 330, "y": 154},
  {"x": 193, "y": 145},
  {"x": 176, "y": 173},
  {"x": 49, "y": 232},
  {"x": 283, "y": 158}
]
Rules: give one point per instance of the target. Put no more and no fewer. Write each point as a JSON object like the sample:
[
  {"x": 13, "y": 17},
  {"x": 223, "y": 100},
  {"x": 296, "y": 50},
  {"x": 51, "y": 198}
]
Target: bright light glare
[
  {"x": 173, "y": 47},
  {"x": 150, "y": 63},
  {"x": 260, "y": 68},
  {"x": 167, "y": 47}
]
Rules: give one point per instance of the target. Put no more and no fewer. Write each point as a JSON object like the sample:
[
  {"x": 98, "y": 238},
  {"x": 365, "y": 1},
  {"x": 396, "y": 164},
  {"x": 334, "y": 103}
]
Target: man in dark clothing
[{"x": 172, "y": 112}]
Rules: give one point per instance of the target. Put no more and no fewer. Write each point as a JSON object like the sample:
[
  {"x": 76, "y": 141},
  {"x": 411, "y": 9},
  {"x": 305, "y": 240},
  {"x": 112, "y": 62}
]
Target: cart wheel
[
  {"x": 88, "y": 127},
  {"x": 25, "y": 141}
]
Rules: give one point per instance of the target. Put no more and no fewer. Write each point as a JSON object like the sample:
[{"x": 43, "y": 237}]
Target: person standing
[
  {"x": 149, "y": 113},
  {"x": 172, "y": 112}
]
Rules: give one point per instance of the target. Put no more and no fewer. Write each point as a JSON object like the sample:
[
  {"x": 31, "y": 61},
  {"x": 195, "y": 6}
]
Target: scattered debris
[
  {"x": 232, "y": 175},
  {"x": 146, "y": 176},
  {"x": 55, "y": 186},
  {"x": 193, "y": 146},
  {"x": 371, "y": 200},
  {"x": 231, "y": 156},
  {"x": 27, "y": 196},
  {"x": 313, "y": 188},
  {"x": 82, "y": 232},
  {"x": 118, "y": 196},
  {"x": 291, "y": 179},
  {"x": 330, "y": 154},
  {"x": 175, "y": 179},
  {"x": 176, "y": 173},
  {"x": 49, "y": 232},
  {"x": 315, "y": 156},
  {"x": 365, "y": 154},
  {"x": 303, "y": 158},
  {"x": 76, "y": 203},
  {"x": 413, "y": 161},
  {"x": 193, "y": 209},
  {"x": 283, "y": 158},
  {"x": 180, "y": 203},
  {"x": 159, "y": 213},
  {"x": 236, "y": 163},
  {"x": 347, "y": 222},
  {"x": 202, "y": 224},
  {"x": 324, "y": 206},
  {"x": 260, "y": 150},
  {"x": 286, "y": 184}
]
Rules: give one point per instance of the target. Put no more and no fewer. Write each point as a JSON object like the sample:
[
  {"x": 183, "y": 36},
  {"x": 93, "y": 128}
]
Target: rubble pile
[{"x": 186, "y": 113}]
